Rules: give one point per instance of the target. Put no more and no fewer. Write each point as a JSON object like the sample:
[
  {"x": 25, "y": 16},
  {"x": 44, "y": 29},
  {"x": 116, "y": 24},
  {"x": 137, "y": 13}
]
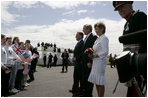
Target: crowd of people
[
  {"x": 18, "y": 61},
  {"x": 112, "y": 60},
  {"x": 54, "y": 46},
  {"x": 52, "y": 61}
]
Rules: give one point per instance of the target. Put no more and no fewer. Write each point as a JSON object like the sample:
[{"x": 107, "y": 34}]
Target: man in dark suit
[
  {"x": 49, "y": 60},
  {"x": 77, "y": 59},
  {"x": 65, "y": 57},
  {"x": 55, "y": 60},
  {"x": 88, "y": 43},
  {"x": 44, "y": 60}
]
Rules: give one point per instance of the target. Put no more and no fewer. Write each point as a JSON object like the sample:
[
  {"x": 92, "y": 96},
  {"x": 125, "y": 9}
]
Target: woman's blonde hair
[{"x": 100, "y": 25}]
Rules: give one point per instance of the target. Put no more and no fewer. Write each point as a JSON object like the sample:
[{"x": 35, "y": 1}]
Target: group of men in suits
[{"x": 81, "y": 62}]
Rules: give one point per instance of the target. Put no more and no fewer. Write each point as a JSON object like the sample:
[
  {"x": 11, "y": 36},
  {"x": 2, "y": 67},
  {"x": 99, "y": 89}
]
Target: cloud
[
  {"x": 28, "y": 4},
  {"x": 63, "y": 32},
  {"x": 92, "y": 3},
  {"x": 29, "y": 29},
  {"x": 6, "y": 17},
  {"x": 69, "y": 13},
  {"x": 82, "y": 11},
  {"x": 67, "y": 4},
  {"x": 103, "y": 3},
  {"x": 73, "y": 12}
]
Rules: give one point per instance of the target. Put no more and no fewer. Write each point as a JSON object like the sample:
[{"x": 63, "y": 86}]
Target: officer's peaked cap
[{"x": 117, "y": 4}]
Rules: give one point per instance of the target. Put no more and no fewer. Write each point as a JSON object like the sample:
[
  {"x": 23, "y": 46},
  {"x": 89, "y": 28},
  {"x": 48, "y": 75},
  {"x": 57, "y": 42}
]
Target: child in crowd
[{"x": 27, "y": 58}]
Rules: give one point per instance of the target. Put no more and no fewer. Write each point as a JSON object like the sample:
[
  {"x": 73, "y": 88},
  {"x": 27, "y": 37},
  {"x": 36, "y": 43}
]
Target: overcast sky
[{"x": 58, "y": 21}]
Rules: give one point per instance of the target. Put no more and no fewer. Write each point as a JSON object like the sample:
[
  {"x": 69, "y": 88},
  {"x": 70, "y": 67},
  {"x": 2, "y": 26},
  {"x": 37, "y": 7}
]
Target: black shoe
[
  {"x": 22, "y": 88},
  {"x": 71, "y": 91},
  {"x": 78, "y": 94}
]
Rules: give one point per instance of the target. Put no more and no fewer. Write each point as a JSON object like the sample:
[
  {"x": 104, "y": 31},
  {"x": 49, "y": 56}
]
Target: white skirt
[
  {"x": 97, "y": 79},
  {"x": 97, "y": 75}
]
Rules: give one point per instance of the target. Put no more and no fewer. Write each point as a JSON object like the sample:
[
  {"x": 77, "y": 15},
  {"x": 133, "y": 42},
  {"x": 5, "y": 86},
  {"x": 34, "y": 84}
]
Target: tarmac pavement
[{"x": 52, "y": 83}]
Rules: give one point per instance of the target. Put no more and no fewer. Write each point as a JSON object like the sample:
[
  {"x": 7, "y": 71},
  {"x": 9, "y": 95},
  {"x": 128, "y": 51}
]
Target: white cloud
[
  {"x": 102, "y": 3},
  {"x": 73, "y": 12},
  {"x": 82, "y": 11},
  {"x": 29, "y": 29},
  {"x": 63, "y": 33},
  {"x": 92, "y": 3},
  {"x": 7, "y": 17},
  {"x": 22, "y": 4},
  {"x": 69, "y": 13},
  {"x": 67, "y": 4}
]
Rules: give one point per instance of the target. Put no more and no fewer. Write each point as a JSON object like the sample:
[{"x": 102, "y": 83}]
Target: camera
[{"x": 133, "y": 60}]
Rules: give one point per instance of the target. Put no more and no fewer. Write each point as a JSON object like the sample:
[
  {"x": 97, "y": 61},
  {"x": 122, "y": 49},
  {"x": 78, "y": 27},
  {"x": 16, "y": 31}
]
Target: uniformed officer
[{"x": 135, "y": 21}]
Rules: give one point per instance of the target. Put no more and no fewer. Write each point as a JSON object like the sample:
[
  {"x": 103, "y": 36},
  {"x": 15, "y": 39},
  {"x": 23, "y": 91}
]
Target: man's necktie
[{"x": 85, "y": 39}]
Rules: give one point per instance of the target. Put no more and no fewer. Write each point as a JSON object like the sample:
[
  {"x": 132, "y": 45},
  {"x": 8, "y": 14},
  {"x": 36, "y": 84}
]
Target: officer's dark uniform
[
  {"x": 138, "y": 21},
  {"x": 135, "y": 21}
]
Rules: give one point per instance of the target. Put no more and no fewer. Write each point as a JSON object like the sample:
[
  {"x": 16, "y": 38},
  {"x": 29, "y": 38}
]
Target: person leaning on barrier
[{"x": 135, "y": 21}]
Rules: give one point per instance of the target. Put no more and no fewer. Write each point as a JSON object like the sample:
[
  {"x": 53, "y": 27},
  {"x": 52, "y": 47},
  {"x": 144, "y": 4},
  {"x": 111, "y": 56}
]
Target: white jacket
[
  {"x": 3, "y": 56},
  {"x": 11, "y": 55},
  {"x": 101, "y": 48}
]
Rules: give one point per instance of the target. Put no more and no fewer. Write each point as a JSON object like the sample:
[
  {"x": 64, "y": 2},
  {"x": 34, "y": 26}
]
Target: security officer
[{"x": 135, "y": 21}]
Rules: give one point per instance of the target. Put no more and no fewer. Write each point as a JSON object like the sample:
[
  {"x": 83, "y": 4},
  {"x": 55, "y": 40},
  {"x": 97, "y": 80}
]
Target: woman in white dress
[{"x": 99, "y": 56}]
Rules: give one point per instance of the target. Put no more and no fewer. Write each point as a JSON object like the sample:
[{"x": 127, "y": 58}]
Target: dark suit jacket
[
  {"x": 66, "y": 55},
  {"x": 50, "y": 58},
  {"x": 88, "y": 44},
  {"x": 78, "y": 51}
]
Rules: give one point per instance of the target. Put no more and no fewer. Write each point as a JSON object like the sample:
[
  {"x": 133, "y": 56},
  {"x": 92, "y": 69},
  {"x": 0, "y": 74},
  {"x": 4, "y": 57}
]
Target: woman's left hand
[{"x": 89, "y": 65}]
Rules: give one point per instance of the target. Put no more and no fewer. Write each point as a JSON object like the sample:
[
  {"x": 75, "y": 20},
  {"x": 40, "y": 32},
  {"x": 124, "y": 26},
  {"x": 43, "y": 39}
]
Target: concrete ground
[{"x": 51, "y": 83}]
